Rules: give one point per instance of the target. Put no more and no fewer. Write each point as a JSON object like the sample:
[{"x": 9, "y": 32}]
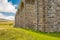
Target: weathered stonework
[{"x": 42, "y": 15}]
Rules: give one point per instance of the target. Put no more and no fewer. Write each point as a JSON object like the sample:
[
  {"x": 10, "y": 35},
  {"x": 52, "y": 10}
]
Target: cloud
[
  {"x": 10, "y": 18},
  {"x": 6, "y": 6},
  {"x": 1, "y": 15},
  {"x": 7, "y": 17}
]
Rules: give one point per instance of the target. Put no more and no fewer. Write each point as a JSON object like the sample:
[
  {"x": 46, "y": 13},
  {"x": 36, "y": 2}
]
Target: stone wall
[{"x": 42, "y": 15}]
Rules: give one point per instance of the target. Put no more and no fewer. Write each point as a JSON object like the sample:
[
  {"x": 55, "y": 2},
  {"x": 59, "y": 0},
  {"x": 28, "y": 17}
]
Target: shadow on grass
[{"x": 53, "y": 34}]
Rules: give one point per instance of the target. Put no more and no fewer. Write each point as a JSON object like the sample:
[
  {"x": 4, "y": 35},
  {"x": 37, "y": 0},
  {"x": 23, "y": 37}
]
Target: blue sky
[
  {"x": 8, "y": 8},
  {"x": 15, "y": 2}
]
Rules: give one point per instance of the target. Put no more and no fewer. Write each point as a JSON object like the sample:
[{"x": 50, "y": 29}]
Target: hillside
[
  {"x": 22, "y": 34},
  {"x": 8, "y": 32},
  {"x": 5, "y": 21}
]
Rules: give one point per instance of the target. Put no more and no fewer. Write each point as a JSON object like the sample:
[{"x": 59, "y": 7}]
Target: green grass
[
  {"x": 22, "y": 34},
  {"x": 6, "y": 26}
]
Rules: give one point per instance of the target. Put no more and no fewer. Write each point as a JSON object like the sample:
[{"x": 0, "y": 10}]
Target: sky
[{"x": 8, "y": 9}]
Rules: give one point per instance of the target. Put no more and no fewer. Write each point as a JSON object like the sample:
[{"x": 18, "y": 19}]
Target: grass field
[{"x": 8, "y": 32}]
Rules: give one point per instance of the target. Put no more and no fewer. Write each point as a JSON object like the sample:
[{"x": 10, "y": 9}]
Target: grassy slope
[
  {"x": 6, "y": 22},
  {"x": 7, "y": 32}
]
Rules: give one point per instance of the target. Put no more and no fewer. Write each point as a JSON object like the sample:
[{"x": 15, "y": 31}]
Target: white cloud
[
  {"x": 7, "y": 17},
  {"x": 10, "y": 18},
  {"x": 6, "y": 6},
  {"x": 1, "y": 15}
]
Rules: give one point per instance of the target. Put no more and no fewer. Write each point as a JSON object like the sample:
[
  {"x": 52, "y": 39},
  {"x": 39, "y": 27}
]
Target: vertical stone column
[
  {"x": 57, "y": 22},
  {"x": 40, "y": 15},
  {"x": 50, "y": 16},
  {"x": 44, "y": 12},
  {"x": 36, "y": 6},
  {"x": 24, "y": 12},
  {"x": 17, "y": 17}
]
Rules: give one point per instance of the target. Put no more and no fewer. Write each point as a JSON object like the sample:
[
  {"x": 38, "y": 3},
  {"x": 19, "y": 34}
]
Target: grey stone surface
[{"x": 42, "y": 15}]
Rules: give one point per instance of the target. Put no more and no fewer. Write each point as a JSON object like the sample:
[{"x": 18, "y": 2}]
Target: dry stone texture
[{"x": 42, "y": 15}]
